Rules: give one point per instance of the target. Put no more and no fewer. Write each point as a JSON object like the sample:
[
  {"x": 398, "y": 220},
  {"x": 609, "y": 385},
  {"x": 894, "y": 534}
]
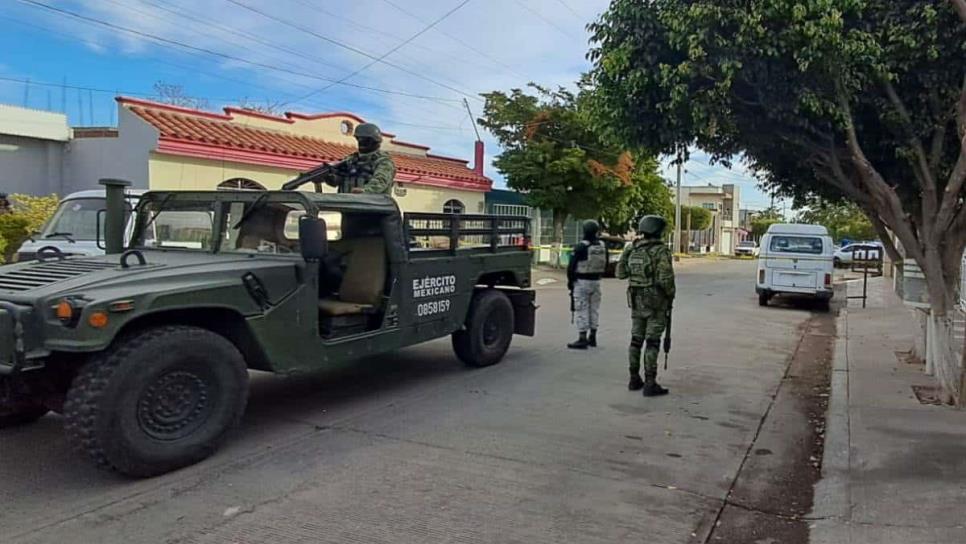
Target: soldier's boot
[
  {"x": 580, "y": 343},
  {"x": 592, "y": 339},
  {"x": 651, "y": 387},
  {"x": 636, "y": 383}
]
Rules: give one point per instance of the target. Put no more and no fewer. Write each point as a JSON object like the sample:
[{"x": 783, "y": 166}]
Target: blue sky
[{"x": 290, "y": 51}]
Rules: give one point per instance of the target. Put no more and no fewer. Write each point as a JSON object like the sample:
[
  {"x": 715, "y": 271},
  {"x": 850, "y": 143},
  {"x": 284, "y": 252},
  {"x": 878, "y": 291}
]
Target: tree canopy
[
  {"x": 762, "y": 220},
  {"x": 552, "y": 152},
  {"x": 844, "y": 220},
  {"x": 862, "y": 100}
]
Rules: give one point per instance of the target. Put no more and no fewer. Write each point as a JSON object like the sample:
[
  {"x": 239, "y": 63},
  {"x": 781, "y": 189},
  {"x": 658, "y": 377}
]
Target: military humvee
[{"x": 146, "y": 350}]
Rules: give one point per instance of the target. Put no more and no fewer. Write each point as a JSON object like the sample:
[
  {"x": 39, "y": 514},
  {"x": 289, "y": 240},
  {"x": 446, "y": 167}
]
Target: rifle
[
  {"x": 314, "y": 175},
  {"x": 573, "y": 307},
  {"x": 667, "y": 337}
]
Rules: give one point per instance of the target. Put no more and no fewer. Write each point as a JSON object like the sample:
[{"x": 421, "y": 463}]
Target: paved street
[{"x": 548, "y": 446}]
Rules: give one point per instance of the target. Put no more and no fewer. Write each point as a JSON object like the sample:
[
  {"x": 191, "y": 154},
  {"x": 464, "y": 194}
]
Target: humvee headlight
[
  {"x": 98, "y": 320},
  {"x": 64, "y": 311}
]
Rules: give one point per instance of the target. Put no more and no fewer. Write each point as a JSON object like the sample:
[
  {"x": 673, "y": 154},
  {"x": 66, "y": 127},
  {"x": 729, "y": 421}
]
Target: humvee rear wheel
[
  {"x": 488, "y": 331},
  {"x": 158, "y": 400}
]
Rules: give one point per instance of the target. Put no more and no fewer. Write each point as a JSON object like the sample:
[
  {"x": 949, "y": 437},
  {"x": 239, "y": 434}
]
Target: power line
[
  {"x": 390, "y": 52},
  {"x": 457, "y": 40},
  {"x": 349, "y": 48},
  {"x": 115, "y": 92},
  {"x": 176, "y": 43},
  {"x": 546, "y": 20},
  {"x": 186, "y": 14},
  {"x": 570, "y": 9}
]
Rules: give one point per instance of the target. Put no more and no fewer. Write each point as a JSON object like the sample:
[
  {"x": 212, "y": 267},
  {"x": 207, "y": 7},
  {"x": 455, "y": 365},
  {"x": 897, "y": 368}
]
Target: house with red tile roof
[{"x": 160, "y": 146}]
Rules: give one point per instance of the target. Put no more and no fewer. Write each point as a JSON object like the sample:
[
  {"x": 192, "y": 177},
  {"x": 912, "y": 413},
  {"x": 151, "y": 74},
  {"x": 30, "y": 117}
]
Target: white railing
[{"x": 962, "y": 284}]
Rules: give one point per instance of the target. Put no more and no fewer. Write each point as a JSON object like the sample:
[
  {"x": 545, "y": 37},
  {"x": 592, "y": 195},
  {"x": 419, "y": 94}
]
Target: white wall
[
  {"x": 124, "y": 157},
  {"x": 31, "y": 166}
]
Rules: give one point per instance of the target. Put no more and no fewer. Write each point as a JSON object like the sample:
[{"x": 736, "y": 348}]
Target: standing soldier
[
  {"x": 646, "y": 263},
  {"x": 369, "y": 170},
  {"x": 583, "y": 280}
]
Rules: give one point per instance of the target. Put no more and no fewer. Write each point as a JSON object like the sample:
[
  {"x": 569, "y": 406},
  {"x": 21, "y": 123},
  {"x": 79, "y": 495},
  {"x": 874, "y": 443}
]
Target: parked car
[
  {"x": 795, "y": 259},
  {"x": 615, "y": 246},
  {"x": 844, "y": 255},
  {"x": 73, "y": 228},
  {"x": 747, "y": 248}
]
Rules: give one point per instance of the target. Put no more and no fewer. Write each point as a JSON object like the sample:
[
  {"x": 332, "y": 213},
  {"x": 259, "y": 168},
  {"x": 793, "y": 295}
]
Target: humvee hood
[{"x": 53, "y": 276}]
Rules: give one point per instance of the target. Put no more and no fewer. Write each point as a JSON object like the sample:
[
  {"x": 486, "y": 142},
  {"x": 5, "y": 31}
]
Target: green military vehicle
[{"x": 146, "y": 350}]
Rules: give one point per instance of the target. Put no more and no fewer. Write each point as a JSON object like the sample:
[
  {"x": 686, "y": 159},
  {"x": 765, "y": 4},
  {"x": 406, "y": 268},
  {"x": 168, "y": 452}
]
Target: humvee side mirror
[
  {"x": 100, "y": 221},
  {"x": 312, "y": 238}
]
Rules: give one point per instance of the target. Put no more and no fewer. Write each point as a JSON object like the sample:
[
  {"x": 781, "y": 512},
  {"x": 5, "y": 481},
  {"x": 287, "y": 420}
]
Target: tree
[
  {"x": 19, "y": 217},
  {"x": 647, "y": 194},
  {"x": 266, "y": 106},
  {"x": 761, "y": 221},
  {"x": 695, "y": 217},
  {"x": 842, "y": 219},
  {"x": 856, "y": 99},
  {"x": 170, "y": 93},
  {"x": 552, "y": 153}
]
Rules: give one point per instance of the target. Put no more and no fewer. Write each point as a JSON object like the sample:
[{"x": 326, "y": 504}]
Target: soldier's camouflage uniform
[
  {"x": 646, "y": 264},
  {"x": 373, "y": 172}
]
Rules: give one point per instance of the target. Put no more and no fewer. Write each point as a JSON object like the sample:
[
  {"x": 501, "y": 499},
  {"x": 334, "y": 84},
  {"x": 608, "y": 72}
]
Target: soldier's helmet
[
  {"x": 591, "y": 229},
  {"x": 651, "y": 226},
  {"x": 368, "y": 130}
]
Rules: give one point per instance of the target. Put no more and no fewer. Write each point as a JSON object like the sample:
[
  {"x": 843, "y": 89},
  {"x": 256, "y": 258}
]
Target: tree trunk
[{"x": 559, "y": 219}]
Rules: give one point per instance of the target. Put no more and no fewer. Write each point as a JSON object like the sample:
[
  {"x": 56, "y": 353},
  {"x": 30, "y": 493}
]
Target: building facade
[
  {"x": 159, "y": 146},
  {"x": 724, "y": 203},
  {"x": 32, "y": 148}
]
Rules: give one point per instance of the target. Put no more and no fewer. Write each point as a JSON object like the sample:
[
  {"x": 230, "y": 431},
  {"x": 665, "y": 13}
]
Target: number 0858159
[{"x": 433, "y": 307}]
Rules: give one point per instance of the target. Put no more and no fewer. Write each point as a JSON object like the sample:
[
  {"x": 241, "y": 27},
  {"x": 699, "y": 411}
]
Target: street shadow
[{"x": 37, "y": 456}]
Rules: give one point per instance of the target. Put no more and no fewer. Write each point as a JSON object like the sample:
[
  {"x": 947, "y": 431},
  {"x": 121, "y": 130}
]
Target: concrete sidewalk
[{"x": 894, "y": 470}]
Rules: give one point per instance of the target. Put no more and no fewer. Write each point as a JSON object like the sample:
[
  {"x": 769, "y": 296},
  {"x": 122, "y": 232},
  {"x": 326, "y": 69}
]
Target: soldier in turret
[{"x": 369, "y": 170}]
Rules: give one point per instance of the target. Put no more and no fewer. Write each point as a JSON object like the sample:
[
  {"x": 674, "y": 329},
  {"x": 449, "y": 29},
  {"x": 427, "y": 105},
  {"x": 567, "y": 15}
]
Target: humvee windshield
[{"x": 244, "y": 226}]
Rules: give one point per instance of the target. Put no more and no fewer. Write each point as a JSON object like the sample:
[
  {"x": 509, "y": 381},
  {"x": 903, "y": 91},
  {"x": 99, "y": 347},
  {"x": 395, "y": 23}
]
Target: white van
[
  {"x": 795, "y": 260},
  {"x": 73, "y": 227}
]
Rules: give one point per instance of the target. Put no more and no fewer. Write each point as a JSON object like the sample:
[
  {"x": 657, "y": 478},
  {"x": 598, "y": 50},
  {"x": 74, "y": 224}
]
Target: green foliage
[
  {"x": 647, "y": 194},
  {"x": 27, "y": 214},
  {"x": 553, "y": 154},
  {"x": 852, "y": 99},
  {"x": 761, "y": 221},
  {"x": 700, "y": 217},
  {"x": 842, "y": 219}
]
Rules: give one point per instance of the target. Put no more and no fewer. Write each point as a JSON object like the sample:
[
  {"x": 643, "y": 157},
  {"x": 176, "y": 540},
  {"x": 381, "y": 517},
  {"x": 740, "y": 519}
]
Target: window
[
  {"x": 453, "y": 206},
  {"x": 243, "y": 184},
  {"x": 187, "y": 225},
  {"x": 345, "y": 127},
  {"x": 77, "y": 219},
  {"x": 262, "y": 227},
  {"x": 709, "y": 206},
  {"x": 809, "y": 245}
]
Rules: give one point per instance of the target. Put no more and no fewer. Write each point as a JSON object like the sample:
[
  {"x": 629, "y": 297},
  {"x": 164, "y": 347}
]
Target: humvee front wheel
[
  {"x": 488, "y": 331},
  {"x": 158, "y": 400}
]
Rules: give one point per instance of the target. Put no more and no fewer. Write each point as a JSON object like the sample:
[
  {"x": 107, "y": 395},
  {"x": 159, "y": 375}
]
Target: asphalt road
[{"x": 548, "y": 446}]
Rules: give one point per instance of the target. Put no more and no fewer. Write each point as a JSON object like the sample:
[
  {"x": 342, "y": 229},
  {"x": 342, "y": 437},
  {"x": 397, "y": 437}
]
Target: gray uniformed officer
[{"x": 583, "y": 280}]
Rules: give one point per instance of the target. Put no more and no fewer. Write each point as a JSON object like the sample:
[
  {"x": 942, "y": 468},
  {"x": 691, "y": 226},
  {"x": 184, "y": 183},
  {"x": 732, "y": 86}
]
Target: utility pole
[{"x": 677, "y": 209}]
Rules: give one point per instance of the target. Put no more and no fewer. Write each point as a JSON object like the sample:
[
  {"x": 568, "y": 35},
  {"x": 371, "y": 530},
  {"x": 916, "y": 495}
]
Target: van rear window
[{"x": 810, "y": 245}]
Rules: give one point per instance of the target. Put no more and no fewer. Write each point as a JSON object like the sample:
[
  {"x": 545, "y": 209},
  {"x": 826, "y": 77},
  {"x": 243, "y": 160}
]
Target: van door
[{"x": 797, "y": 261}]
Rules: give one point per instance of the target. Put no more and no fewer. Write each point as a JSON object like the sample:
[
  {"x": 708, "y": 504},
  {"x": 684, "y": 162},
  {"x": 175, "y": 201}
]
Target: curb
[{"x": 833, "y": 493}]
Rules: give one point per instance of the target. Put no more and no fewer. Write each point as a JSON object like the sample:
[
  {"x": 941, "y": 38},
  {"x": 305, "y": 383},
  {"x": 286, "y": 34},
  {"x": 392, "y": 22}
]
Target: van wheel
[
  {"x": 763, "y": 299},
  {"x": 156, "y": 401},
  {"x": 488, "y": 331}
]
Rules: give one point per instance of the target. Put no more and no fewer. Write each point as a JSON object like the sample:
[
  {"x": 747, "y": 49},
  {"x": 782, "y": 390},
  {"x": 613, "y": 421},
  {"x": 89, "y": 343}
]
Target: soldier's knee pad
[
  {"x": 653, "y": 343},
  {"x": 637, "y": 342}
]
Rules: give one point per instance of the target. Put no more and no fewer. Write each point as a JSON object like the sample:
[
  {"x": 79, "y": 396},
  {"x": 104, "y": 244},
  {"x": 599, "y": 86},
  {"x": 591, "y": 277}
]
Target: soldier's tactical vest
[
  {"x": 596, "y": 261},
  {"x": 358, "y": 170},
  {"x": 643, "y": 294}
]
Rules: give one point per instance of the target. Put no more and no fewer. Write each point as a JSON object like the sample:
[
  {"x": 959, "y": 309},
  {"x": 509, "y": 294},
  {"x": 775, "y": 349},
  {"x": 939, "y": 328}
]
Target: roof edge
[{"x": 170, "y": 107}]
